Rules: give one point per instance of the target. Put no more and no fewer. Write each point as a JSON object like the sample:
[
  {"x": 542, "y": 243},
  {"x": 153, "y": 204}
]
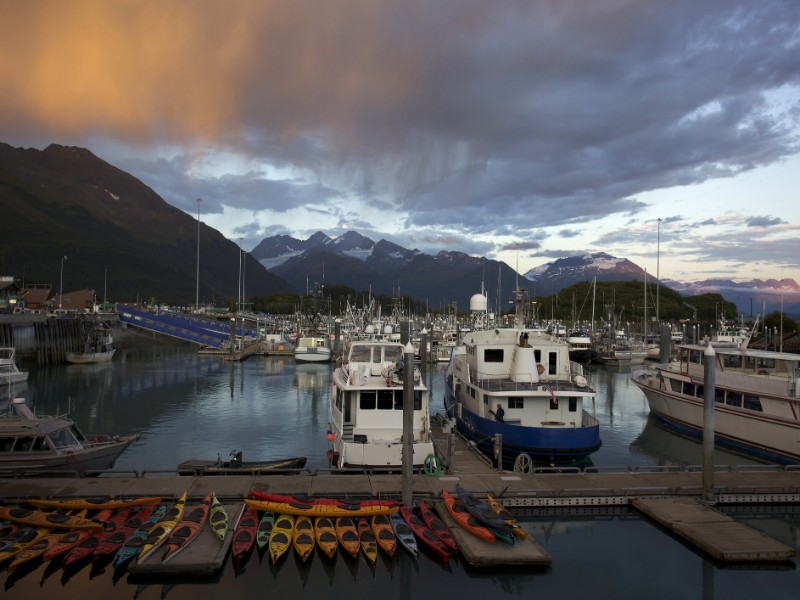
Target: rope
[{"x": 431, "y": 471}]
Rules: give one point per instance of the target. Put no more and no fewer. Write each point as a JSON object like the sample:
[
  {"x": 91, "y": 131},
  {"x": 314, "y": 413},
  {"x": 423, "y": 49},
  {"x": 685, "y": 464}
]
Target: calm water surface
[{"x": 191, "y": 406}]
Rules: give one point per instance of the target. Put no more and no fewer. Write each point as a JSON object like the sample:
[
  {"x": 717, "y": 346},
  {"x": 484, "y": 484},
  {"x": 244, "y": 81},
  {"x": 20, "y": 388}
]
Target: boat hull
[
  {"x": 89, "y": 358},
  {"x": 93, "y": 457}
]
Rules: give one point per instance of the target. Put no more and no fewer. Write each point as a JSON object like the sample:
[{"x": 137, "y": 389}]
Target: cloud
[{"x": 761, "y": 221}]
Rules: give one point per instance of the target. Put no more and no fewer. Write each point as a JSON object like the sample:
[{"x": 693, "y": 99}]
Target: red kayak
[
  {"x": 244, "y": 536},
  {"x": 113, "y": 540},
  {"x": 426, "y": 537},
  {"x": 86, "y": 546},
  {"x": 437, "y": 526},
  {"x": 187, "y": 529},
  {"x": 313, "y": 500}
]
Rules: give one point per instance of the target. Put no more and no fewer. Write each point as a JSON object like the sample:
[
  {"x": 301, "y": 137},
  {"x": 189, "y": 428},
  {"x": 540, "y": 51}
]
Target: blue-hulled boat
[{"x": 543, "y": 395}]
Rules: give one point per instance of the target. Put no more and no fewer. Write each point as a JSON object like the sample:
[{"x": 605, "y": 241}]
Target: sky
[{"x": 667, "y": 133}]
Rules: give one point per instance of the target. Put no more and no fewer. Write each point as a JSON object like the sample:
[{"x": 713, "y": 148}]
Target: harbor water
[{"x": 187, "y": 406}]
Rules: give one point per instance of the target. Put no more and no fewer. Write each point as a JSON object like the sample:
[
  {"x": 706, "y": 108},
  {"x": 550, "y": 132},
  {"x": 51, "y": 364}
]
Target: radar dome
[{"x": 478, "y": 303}]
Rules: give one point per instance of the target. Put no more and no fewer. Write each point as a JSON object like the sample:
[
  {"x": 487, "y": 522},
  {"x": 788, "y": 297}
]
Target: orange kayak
[
  {"x": 367, "y": 540},
  {"x": 384, "y": 533},
  {"x": 465, "y": 519},
  {"x": 347, "y": 533}
]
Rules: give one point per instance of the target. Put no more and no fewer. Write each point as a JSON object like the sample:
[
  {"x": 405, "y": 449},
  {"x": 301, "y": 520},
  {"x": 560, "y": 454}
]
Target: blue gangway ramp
[{"x": 200, "y": 330}]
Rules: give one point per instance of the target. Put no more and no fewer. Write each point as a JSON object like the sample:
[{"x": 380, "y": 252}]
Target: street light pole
[
  {"x": 658, "y": 264},
  {"x": 197, "y": 291},
  {"x": 61, "y": 284}
]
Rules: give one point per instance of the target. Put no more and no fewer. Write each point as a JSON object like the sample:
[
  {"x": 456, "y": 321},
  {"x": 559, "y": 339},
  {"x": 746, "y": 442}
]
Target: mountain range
[{"x": 118, "y": 234}]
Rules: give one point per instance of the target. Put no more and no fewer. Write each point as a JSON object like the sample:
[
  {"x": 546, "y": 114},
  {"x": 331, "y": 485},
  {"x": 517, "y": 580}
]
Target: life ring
[
  {"x": 431, "y": 466},
  {"x": 539, "y": 368}
]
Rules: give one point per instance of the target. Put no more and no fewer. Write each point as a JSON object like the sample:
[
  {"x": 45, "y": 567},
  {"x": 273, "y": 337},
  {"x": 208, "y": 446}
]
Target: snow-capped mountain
[{"x": 564, "y": 272}]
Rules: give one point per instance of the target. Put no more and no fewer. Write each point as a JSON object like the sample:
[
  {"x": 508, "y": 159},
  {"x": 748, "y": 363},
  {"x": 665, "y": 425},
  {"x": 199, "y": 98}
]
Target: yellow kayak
[
  {"x": 161, "y": 530},
  {"x": 325, "y": 534},
  {"x": 39, "y": 518},
  {"x": 320, "y": 510},
  {"x": 365, "y": 536},
  {"x": 384, "y": 533},
  {"x": 516, "y": 529},
  {"x": 94, "y": 503},
  {"x": 303, "y": 537},
  {"x": 218, "y": 517},
  {"x": 347, "y": 533},
  {"x": 281, "y": 537}
]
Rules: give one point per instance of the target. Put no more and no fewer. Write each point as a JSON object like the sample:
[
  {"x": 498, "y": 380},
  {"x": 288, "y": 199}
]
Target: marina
[{"x": 634, "y": 461}]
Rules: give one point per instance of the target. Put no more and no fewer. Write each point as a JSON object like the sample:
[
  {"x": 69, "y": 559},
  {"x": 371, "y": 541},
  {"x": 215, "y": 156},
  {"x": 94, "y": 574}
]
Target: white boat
[
  {"x": 366, "y": 408},
  {"x": 314, "y": 347},
  {"x": 98, "y": 347},
  {"x": 30, "y": 442},
  {"x": 543, "y": 394},
  {"x": 757, "y": 398},
  {"x": 10, "y": 374}
]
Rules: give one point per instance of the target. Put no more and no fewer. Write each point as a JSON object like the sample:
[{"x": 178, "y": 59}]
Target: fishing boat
[
  {"x": 281, "y": 538},
  {"x": 529, "y": 375},
  {"x": 424, "y": 535},
  {"x": 437, "y": 526},
  {"x": 313, "y": 343},
  {"x": 196, "y": 466},
  {"x": 366, "y": 408},
  {"x": 756, "y": 398},
  {"x": 98, "y": 346},
  {"x": 10, "y": 374},
  {"x": 33, "y": 442},
  {"x": 347, "y": 533},
  {"x": 325, "y": 536}
]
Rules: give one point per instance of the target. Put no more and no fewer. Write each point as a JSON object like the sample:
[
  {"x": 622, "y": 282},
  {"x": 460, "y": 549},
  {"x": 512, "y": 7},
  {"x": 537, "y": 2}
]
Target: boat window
[
  {"x": 700, "y": 391},
  {"x": 731, "y": 361},
  {"x": 367, "y": 401},
  {"x": 63, "y": 438},
  {"x": 719, "y": 395},
  {"x": 472, "y": 391},
  {"x": 752, "y": 403},
  {"x": 537, "y": 355},
  {"x": 573, "y": 404},
  {"x": 393, "y": 353},
  {"x": 514, "y": 402},
  {"x": 675, "y": 385},
  {"x": 339, "y": 400},
  {"x": 733, "y": 399},
  {"x": 6, "y": 443},
  {"x": 688, "y": 388},
  {"x": 359, "y": 354},
  {"x": 695, "y": 356},
  {"x": 493, "y": 355},
  {"x": 552, "y": 363},
  {"x": 417, "y": 400},
  {"x": 386, "y": 399},
  {"x": 553, "y": 403},
  {"x": 24, "y": 443},
  {"x": 40, "y": 445}
]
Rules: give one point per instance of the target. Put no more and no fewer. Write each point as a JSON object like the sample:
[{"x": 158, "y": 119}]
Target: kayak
[
  {"x": 86, "y": 546},
  {"x": 38, "y": 518},
  {"x": 244, "y": 536},
  {"x": 347, "y": 532},
  {"x": 20, "y": 539},
  {"x": 281, "y": 537},
  {"x": 187, "y": 529},
  {"x": 113, "y": 540},
  {"x": 465, "y": 519},
  {"x": 367, "y": 540},
  {"x": 295, "y": 499},
  {"x": 159, "y": 533},
  {"x": 131, "y": 547},
  {"x": 325, "y": 536},
  {"x": 35, "y": 549},
  {"x": 93, "y": 503},
  {"x": 319, "y": 510},
  {"x": 487, "y": 517},
  {"x": 424, "y": 535},
  {"x": 437, "y": 526},
  {"x": 384, "y": 533},
  {"x": 303, "y": 537},
  {"x": 507, "y": 516},
  {"x": 404, "y": 534},
  {"x": 264, "y": 530},
  {"x": 218, "y": 518}
]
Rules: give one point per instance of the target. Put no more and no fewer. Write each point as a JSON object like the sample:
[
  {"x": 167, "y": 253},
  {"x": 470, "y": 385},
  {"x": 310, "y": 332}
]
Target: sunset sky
[{"x": 518, "y": 130}]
